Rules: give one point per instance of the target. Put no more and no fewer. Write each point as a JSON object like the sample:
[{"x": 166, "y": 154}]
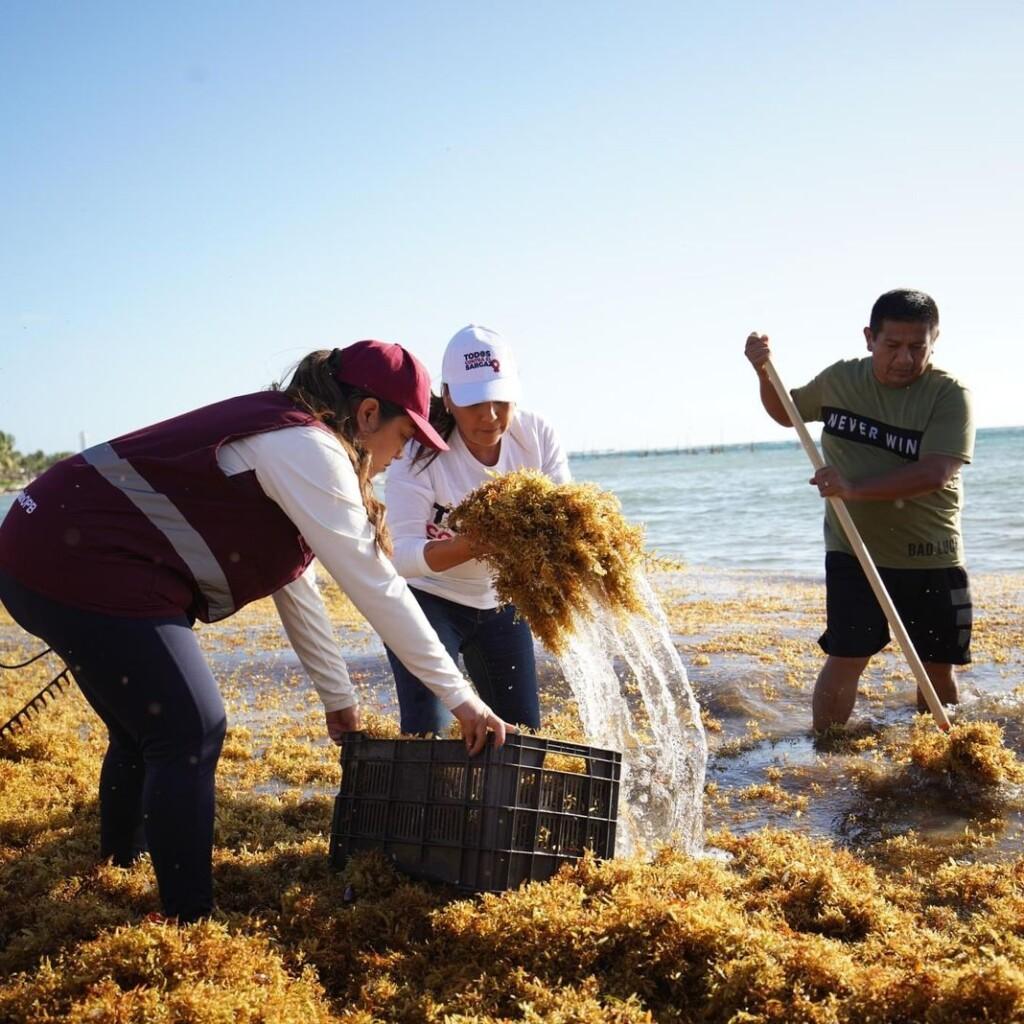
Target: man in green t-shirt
[{"x": 896, "y": 433}]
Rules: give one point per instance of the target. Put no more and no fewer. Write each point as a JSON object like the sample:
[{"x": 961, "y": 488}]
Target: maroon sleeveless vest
[{"x": 148, "y": 525}]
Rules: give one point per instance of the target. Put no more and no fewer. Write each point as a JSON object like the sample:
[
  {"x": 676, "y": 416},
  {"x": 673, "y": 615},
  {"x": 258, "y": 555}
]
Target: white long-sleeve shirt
[
  {"x": 419, "y": 499},
  {"x": 306, "y": 471}
]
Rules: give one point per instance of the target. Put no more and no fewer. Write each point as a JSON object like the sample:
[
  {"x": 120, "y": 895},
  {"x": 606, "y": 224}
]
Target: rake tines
[{"x": 48, "y": 693}]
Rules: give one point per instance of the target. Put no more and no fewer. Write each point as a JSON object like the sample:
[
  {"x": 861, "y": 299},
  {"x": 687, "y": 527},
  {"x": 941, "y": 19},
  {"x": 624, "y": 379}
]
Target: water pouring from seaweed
[
  {"x": 573, "y": 566},
  {"x": 660, "y": 734}
]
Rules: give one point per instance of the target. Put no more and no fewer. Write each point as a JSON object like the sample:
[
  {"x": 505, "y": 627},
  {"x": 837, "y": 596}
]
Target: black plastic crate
[{"x": 483, "y": 824}]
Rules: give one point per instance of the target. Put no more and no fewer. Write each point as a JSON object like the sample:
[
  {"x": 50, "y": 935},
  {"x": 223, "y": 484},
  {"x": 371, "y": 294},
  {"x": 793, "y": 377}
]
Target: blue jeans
[
  {"x": 498, "y": 655},
  {"x": 149, "y": 682}
]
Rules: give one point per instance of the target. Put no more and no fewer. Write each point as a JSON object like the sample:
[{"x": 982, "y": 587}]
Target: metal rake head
[{"x": 48, "y": 693}]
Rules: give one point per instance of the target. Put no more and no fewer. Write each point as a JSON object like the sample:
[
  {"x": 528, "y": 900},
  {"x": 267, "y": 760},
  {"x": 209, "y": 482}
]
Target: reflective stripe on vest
[{"x": 186, "y": 541}]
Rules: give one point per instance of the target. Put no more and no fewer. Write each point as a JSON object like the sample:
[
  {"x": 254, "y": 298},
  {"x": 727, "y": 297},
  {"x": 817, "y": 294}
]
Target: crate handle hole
[{"x": 565, "y": 763}]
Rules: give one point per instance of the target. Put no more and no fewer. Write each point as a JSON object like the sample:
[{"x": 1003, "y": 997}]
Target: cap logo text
[{"x": 476, "y": 360}]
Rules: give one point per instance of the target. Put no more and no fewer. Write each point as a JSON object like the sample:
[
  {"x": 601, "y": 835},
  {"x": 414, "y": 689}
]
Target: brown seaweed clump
[
  {"x": 160, "y": 973},
  {"x": 553, "y": 549},
  {"x": 972, "y": 752},
  {"x": 789, "y": 930}
]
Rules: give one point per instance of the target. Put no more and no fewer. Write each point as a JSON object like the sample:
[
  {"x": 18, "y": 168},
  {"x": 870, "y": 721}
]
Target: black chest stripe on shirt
[{"x": 853, "y": 427}]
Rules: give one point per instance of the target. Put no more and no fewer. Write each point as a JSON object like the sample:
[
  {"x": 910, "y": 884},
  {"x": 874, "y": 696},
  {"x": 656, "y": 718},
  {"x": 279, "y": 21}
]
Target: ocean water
[{"x": 750, "y": 507}]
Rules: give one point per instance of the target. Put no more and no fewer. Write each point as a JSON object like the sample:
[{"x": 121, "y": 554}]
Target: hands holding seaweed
[
  {"x": 446, "y": 554},
  {"x": 554, "y": 550}
]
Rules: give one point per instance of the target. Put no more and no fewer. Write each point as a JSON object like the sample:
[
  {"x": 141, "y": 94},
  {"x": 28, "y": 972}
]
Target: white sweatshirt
[
  {"x": 419, "y": 500},
  {"x": 307, "y": 472}
]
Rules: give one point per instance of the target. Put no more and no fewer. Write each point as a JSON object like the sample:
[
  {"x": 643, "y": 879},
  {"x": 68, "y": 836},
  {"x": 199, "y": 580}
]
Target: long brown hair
[
  {"x": 314, "y": 387},
  {"x": 443, "y": 422}
]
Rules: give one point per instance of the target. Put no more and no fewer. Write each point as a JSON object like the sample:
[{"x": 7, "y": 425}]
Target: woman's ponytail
[{"x": 315, "y": 388}]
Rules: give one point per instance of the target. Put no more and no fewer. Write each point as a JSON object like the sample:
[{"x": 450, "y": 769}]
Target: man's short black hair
[{"x": 906, "y": 305}]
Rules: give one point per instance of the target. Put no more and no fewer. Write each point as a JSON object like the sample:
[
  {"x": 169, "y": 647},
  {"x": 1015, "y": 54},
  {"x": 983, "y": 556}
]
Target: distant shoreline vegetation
[
  {"x": 718, "y": 449},
  {"x": 17, "y": 469}
]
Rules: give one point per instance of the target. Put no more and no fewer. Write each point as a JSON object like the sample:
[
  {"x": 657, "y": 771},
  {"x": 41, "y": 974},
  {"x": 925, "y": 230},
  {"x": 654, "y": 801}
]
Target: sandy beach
[{"x": 859, "y": 886}]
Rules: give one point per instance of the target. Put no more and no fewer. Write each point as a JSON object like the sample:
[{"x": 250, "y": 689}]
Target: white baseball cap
[{"x": 479, "y": 366}]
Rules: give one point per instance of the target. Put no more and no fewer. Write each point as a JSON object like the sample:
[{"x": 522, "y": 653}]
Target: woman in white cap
[{"x": 487, "y": 433}]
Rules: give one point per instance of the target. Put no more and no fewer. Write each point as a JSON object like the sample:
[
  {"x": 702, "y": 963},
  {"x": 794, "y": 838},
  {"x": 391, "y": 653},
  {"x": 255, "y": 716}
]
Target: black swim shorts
[{"x": 934, "y": 604}]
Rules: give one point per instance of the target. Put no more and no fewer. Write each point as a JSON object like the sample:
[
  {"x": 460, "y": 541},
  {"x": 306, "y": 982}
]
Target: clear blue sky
[{"x": 195, "y": 194}]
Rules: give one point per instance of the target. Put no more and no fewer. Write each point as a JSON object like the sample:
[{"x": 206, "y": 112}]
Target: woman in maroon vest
[{"x": 114, "y": 553}]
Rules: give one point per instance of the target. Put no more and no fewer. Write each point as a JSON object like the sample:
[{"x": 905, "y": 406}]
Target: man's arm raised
[{"x": 758, "y": 352}]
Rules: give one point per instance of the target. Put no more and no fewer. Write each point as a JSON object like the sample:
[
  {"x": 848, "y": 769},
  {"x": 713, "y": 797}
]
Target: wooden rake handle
[{"x": 866, "y": 563}]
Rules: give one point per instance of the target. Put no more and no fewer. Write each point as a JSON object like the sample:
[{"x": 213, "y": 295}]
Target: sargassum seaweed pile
[
  {"x": 971, "y": 752},
  {"x": 553, "y": 549},
  {"x": 791, "y": 930}
]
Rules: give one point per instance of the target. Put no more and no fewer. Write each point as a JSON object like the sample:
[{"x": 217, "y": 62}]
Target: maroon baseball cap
[{"x": 395, "y": 374}]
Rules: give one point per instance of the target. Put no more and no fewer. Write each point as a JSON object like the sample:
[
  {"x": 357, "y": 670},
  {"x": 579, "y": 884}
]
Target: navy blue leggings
[
  {"x": 147, "y": 679},
  {"x": 498, "y": 655}
]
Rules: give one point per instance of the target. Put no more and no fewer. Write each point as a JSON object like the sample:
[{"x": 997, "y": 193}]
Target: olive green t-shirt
[{"x": 870, "y": 429}]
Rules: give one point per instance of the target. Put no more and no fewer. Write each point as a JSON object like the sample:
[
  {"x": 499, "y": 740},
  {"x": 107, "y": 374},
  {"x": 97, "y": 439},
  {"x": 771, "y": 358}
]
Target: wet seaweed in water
[
  {"x": 552, "y": 548},
  {"x": 971, "y": 752}
]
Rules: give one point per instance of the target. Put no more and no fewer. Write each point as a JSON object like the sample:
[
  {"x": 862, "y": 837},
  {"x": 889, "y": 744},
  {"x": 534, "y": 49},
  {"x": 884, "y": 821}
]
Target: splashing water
[{"x": 664, "y": 749}]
